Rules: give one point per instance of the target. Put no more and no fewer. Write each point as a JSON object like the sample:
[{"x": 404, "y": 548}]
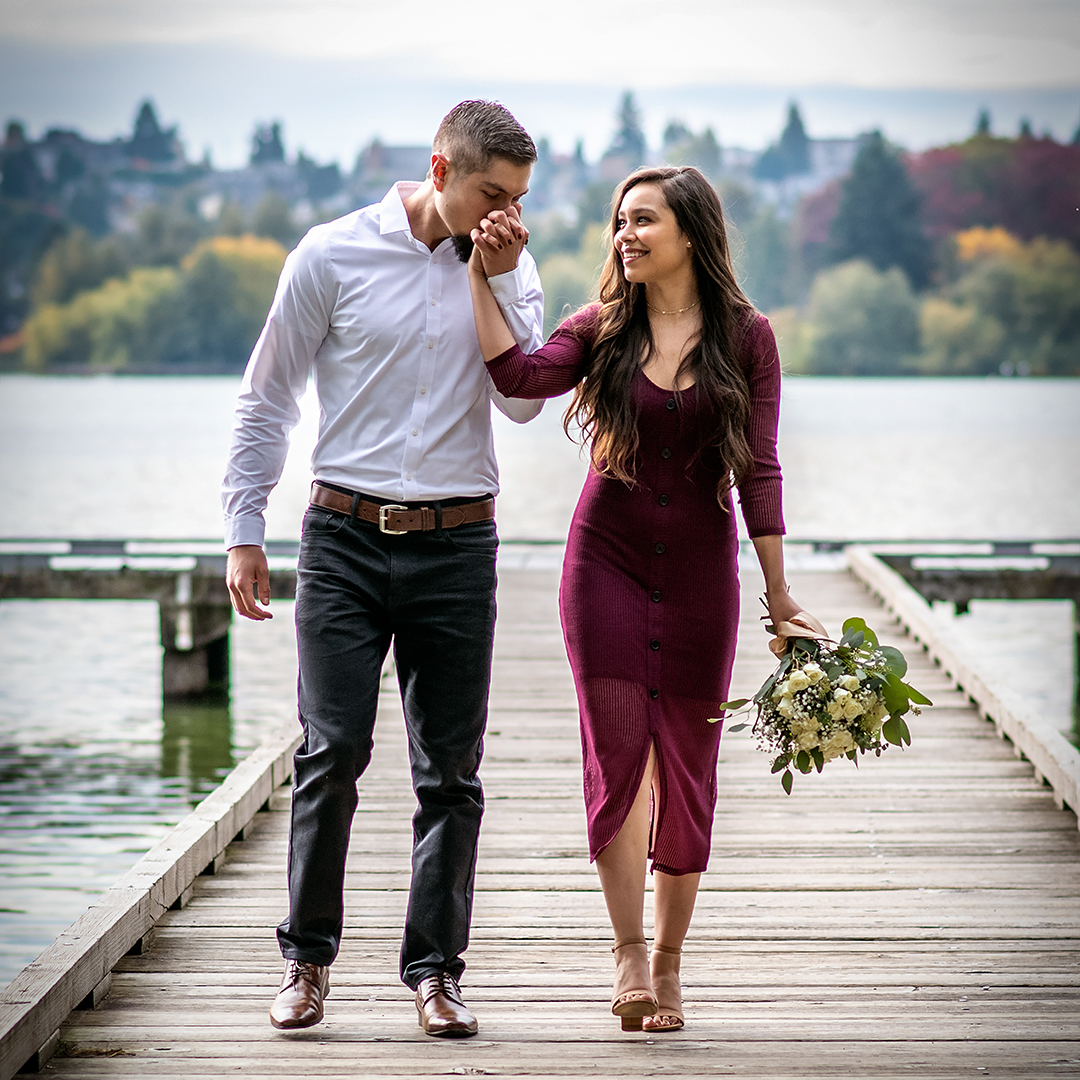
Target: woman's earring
[{"x": 688, "y": 244}]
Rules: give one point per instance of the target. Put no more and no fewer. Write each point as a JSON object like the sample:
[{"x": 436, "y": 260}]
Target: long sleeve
[
  {"x": 760, "y": 493},
  {"x": 275, "y": 379},
  {"x": 521, "y": 297},
  {"x": 551, "y": 369}
]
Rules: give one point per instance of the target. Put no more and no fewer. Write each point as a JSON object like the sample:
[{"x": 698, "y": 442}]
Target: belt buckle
[{"x": 384, "y": 512}]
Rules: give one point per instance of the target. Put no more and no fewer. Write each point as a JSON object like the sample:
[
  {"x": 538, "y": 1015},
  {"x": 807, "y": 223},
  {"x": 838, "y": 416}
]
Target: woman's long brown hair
[{"x": 602, "y": 404}]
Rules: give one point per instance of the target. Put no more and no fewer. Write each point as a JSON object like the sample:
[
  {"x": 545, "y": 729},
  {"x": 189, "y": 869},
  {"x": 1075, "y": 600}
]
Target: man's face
[{"x": 463, "y": 201}]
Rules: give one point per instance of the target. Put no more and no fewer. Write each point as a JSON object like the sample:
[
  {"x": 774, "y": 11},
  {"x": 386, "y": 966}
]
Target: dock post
[{"x": 195, "y": 640}]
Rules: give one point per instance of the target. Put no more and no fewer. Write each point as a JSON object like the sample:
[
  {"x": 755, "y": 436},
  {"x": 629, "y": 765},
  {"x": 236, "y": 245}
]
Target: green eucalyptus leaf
[
  {"x": 819, "y": 758},
  {"x": 853, "y": 624},
  {"x": 781, "y": 762},
  {"x": 738, "y": 703},
  {"x": 803, "y": 762},
  {"x": 915, "y": 696},
  {"x": 891, "y": 730},
  {"x": 895, "y": 694},
  {"x": 905, "y": 734},
  {"x": 894, "y": 660},
  {"x": 787, "y": 779},
  {"x": 736, "y": 727}
]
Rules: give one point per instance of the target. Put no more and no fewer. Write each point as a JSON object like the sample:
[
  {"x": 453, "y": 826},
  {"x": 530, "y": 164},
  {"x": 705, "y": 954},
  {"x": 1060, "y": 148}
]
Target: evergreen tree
[
  {"x": 1025, "y": 129},
  {"x": 880, "y": 219},
  {"x": 982, "y": 124},
  {"x": 791, "y": 155},
  {"x": 629, "y": 139},
  {"x": 267, "y": 145},
  {"x": 149, "y": 140}
]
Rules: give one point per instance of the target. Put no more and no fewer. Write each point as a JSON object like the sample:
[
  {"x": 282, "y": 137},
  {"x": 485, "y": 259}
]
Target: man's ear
[{"x": 440, "y": 166}]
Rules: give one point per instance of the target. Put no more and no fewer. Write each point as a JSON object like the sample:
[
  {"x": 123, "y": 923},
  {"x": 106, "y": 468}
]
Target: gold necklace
[{"x": 677, "y": 311}]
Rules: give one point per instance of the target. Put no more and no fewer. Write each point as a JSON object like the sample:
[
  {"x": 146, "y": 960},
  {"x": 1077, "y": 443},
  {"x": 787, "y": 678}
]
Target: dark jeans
[{"x": 433, "y": 595}]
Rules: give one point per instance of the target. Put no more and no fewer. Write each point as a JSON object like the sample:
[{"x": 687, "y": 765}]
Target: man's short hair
[{"x": 474, "y": 132}]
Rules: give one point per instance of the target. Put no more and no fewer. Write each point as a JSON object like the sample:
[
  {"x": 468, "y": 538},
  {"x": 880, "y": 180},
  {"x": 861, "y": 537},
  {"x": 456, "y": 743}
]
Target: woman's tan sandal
[
  {"x": 669, "y": 1014},
  {"x": 631, "y": 1005}
]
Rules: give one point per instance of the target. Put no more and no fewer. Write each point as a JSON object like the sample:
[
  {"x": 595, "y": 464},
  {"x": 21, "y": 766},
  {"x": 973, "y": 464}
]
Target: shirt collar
[{"x": 392, "y": 215}]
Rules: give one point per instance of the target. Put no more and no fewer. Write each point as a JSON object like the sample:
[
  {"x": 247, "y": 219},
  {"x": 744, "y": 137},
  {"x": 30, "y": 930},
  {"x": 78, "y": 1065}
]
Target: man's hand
[
  {"x": 499, "y": 240},
  {"x": 248, "y": 575}
]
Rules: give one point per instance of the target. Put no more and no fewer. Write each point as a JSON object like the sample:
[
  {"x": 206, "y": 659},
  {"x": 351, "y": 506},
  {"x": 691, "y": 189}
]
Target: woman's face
[{"x": 647, "y": 237}]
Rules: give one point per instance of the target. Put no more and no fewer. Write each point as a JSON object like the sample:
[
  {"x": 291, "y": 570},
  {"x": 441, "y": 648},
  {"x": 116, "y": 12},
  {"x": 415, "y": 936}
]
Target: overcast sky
[
  {"x": 88, "y": 62},
  {"x": 899, "y": 43}
]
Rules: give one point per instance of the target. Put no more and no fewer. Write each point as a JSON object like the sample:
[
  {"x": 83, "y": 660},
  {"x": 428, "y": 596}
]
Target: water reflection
[{"x": 197, "y": 743}]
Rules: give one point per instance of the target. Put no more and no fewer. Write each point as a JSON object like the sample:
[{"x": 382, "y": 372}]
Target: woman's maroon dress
[{"x": 650, "y": 592}]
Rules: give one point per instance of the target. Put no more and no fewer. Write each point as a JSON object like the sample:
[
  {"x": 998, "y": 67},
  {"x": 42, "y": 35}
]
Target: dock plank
[{"x": 918, "y": 916}]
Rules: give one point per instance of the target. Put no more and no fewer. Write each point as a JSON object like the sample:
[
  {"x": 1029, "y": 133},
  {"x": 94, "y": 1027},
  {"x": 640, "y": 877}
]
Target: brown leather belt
[{"x": 395, "y": 519}]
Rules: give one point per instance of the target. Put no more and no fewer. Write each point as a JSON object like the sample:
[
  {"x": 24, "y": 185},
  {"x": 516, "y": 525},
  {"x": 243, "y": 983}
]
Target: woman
[{"x": 676, "y": 384}]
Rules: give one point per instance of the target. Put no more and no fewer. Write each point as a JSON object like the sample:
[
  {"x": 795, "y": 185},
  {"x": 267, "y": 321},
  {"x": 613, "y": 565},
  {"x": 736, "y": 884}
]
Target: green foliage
[
  {"x": 879, "y": 218},
  {"x": 205, "y": 315},
  {"x": 1012, "y": 307},
  {"x": 273, "y": 219},
  {"x": 763, "y": 259},
  {"x": 864, "y": 322},
  {"x": 108, "y": 328},
  {"x": 629, "y": 141},
  {"x": 76, "y": 262},
  {"x": 570, "y": 279}
]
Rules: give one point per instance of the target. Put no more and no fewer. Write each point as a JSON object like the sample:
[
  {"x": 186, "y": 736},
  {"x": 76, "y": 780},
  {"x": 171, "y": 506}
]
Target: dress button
[
  {"x": 666, "y": 453},
  {"x": 670, "y": 404},
  {"x": 654, "y": 693},
  {"x": 654, "y": 644},
  {"x": 660, "y": 549},
  {"x": 431, "y": 344},
  {"x": 663, "y": 500},
  {"x": 655, "y": 598}
]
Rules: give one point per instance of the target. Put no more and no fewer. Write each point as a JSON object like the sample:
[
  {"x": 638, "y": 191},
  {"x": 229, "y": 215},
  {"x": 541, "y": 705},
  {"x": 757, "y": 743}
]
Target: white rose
[
  {"x": 849, "y": 682},
  {"x": 838, "y": 743},
  {"x": 807, "y": 740},
  {"x": 813, "y": 672},
  {"x": 840, "y": 694},
  {"x": 786, "y": 708},
  {"x": 798, "y": 680},
  {"x": 779, "y": 691},
  {"x": 835, "y": 709},
  {"x": 852, "y": 708}
]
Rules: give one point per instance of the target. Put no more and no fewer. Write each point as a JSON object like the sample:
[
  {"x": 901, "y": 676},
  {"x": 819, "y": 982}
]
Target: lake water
[{"x": 93, "y": 768}]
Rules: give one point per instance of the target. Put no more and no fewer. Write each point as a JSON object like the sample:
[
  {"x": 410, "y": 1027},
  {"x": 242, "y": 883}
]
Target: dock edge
[
  {"x": 81, "y": 959},
  {"x": 1055, "y": 760}
]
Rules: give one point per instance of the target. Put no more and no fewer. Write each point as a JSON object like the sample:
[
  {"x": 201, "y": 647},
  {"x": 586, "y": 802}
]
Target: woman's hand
[{"x": 499, "y": 240}]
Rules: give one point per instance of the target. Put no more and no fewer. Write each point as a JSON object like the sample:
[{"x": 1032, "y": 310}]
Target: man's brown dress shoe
[
  {"x": 299, "y": 1002},
  {"x": 440, "y": 1008}
]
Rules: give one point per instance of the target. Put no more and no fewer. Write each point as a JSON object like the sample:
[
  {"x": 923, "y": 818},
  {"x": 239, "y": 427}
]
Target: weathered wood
[
  {"x": 1055, "y": 759},
  {"x": 918, "y": 916}
]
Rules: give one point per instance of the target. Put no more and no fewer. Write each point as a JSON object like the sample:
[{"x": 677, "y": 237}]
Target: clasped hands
[{"x": 497, "y": 242}]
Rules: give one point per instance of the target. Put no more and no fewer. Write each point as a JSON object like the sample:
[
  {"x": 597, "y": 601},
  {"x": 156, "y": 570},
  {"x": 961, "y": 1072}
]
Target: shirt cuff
[
  {"x": 249, "y": 529},
  {"x": 509, "y": 288}
]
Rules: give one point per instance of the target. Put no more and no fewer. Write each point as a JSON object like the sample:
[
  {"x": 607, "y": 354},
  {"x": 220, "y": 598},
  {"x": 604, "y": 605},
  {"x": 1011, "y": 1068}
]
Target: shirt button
[
  {"x": 659, "y": 549},
  {"x": 432, "y": 303},
  {"x": 423, "y": 389},
  {"x": 654, "y": 693},
  {"x": 666, "y": 453},
  {"x": 663, "y": 500},
  {"x": 431, "y": 344},
  {"x": 670, "y": 404},
  {"x": 416, "y": 431},
  {"x": 654, "y": 644},
  {"x": 408, "y": 476},
  {"x": 655, "y": 598}
]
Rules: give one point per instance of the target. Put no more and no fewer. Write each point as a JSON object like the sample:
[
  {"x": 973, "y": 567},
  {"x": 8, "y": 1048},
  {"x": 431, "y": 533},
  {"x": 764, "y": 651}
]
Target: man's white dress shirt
[{"x": 404, "y": 398}]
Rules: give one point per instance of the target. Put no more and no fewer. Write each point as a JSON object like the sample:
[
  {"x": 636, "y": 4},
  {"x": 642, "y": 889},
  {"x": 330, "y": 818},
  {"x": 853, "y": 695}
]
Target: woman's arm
[
  {"x": 770, "y": 553},
  {"x": 551, "y": 370}
]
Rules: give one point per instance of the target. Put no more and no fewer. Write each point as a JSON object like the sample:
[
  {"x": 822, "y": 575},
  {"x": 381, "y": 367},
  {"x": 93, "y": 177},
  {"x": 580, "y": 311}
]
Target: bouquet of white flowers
[{"x": 832, "y": 699}]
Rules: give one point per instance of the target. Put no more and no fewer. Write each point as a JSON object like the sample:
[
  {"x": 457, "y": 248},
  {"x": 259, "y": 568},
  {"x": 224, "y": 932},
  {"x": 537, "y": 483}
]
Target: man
[{"x": 399, "y": 541}]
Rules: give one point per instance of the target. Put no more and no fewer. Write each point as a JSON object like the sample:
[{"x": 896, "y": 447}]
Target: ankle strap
[
  {"x": 629, "y": 941},
  {"x": 657, "y": 947}
]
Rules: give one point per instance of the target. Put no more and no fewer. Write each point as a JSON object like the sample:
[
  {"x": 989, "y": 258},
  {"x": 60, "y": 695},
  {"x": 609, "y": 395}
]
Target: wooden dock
[{"x": 917, "y": 917}]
